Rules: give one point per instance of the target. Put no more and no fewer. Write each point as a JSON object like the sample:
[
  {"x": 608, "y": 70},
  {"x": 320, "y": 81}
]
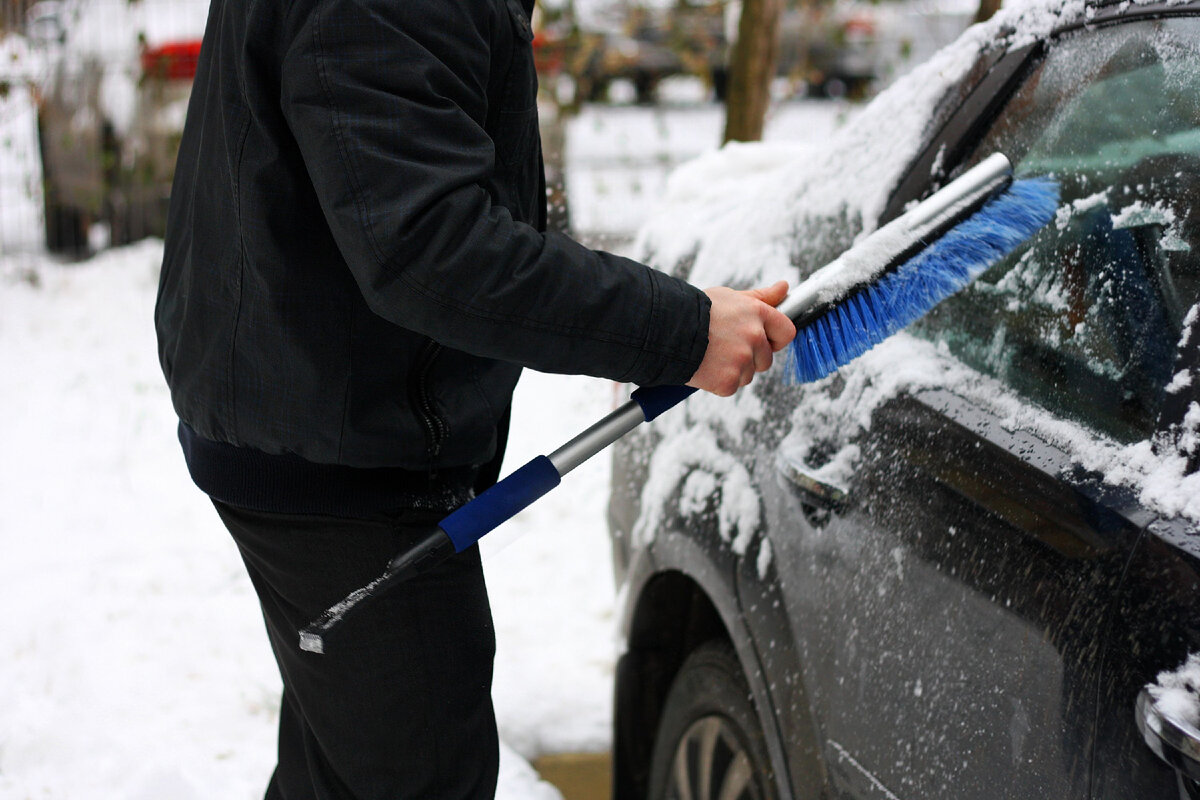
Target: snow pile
[
  {"x": 619, "y": 160},
  {"x": 1177, "y": 693}
]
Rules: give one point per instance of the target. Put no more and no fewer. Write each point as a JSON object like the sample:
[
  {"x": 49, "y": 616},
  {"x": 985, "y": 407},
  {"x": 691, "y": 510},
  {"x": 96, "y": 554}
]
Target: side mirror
[{"x": 1175, "y": 741}]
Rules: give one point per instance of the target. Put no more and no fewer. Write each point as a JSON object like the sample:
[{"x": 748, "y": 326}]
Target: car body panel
[
  {"x": 1000, "y": 562},
  {"x": 1156, "y": 625},
  {"x": 948, "y": 588}
]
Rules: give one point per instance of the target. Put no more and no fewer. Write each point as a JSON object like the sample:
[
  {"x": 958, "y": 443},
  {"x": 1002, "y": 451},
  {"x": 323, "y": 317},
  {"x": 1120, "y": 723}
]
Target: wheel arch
[{"x": 671, "y": 616}]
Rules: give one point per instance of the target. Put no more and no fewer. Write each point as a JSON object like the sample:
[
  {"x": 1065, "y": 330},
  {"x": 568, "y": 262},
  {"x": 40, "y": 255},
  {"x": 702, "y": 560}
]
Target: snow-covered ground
[{"x": 133, "y": 663}]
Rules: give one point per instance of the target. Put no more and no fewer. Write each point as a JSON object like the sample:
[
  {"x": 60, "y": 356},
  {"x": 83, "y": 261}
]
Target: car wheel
[{"x": 710, "y": 745}]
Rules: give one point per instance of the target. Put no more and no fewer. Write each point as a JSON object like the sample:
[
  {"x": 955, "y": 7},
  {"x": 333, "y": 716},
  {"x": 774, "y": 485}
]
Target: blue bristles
[{"x": 904, "y": 294}]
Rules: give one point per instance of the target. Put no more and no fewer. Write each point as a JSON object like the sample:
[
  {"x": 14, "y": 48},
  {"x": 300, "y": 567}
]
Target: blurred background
[{"x": 93, "y": 95}]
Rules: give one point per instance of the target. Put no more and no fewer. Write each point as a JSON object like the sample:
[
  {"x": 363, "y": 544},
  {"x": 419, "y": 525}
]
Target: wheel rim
[{"x": 710, "y": 763}]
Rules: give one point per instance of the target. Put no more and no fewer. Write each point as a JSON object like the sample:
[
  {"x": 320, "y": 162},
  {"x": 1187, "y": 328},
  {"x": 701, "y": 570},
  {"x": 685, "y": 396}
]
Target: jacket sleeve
[{"x": 387, "y": 101}]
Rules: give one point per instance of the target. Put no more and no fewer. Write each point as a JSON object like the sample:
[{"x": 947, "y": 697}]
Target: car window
[{"x": 1085, "y": 318}]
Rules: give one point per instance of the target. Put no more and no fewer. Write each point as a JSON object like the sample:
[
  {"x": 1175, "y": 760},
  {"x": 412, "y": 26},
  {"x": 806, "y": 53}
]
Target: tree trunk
[
  {"x": 986, "y": 9},
  {"x": 751, "y": 69}
]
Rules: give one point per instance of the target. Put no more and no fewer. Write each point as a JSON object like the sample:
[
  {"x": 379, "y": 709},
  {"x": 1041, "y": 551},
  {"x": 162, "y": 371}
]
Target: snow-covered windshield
[{"x": 1086, "y": 320}]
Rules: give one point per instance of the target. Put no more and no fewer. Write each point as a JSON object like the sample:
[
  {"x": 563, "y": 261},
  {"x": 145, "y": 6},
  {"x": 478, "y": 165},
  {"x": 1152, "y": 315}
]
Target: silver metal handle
[
  {"x": 1173, "y": 740},
  {"x": 597, "y": 437}
]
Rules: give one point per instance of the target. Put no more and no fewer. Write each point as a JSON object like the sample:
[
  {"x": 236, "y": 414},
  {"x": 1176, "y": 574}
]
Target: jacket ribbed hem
[{"x": 288, "y": 484}]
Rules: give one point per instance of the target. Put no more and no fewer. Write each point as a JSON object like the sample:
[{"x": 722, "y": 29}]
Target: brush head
[{"x": 849, "y": 327}]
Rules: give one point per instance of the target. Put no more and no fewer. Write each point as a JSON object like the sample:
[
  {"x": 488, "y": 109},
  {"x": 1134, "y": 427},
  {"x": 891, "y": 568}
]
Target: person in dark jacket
[{"x": 356, "y": 269}]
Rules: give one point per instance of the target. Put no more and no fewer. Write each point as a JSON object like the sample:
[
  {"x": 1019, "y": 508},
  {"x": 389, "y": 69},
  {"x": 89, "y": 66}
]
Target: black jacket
[{"x": 355, "y": 268}]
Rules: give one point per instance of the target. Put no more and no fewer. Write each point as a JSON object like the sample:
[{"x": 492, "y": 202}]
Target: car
[
  {"x": 967, "y": 564},
  {"x": 602, "y": 58},
  {"x": 834, "y": 49},
  {"x": 642, "y": 46},
  {"x": 110, "y": 116}
]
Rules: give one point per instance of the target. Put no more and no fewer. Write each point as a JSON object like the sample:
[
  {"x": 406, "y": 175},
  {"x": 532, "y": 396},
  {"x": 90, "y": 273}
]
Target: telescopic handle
[
  {"x": 517, "y": 491},
  {"x": 467, "y": 525},
  {"x": 500, "y": 502}
]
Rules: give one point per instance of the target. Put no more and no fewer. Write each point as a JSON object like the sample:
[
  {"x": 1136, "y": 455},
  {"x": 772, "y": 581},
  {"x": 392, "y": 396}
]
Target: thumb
[{"x": 771, "y": 295}]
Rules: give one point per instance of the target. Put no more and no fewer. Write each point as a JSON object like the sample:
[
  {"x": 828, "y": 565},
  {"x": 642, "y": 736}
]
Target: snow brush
[{"x": 888, "y": 280}]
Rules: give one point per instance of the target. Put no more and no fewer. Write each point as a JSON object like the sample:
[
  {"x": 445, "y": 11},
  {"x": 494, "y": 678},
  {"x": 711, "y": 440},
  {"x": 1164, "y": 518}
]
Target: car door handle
[
  {"x": 1172, "y": 740},
  {"x": 817, "y": 492}
]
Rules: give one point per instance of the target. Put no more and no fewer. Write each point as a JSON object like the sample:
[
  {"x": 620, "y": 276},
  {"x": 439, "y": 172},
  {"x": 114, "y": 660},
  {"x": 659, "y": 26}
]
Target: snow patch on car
[
  {"x": 1176, "y": 693},
  {"x": 838, "y": 410},
  {"x": 692, "y": 469}
]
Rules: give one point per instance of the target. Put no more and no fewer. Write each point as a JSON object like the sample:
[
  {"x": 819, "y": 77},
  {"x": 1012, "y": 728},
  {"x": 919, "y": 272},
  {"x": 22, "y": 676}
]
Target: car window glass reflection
[{"x": 1085, "y": 319}]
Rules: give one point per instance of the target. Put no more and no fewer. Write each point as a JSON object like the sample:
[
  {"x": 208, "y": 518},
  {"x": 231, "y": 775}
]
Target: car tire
[{"x": 709, "y": 736}]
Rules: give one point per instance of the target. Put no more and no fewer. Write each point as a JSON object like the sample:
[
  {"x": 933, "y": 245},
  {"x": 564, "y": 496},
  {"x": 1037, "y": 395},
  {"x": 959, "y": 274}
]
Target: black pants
[{"x": 399, "y": 706}]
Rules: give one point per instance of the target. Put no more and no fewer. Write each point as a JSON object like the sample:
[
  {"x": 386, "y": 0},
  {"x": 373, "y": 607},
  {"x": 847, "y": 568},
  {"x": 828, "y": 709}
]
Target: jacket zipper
[{"x": 422, "y": 401}]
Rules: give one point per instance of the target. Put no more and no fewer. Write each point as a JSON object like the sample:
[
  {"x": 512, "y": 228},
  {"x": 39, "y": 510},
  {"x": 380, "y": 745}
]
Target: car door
[{"x": 955, "y": 512}]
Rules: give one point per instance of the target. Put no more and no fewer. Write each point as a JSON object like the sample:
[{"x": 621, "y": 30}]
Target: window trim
[{"x": 954, "y": 141}]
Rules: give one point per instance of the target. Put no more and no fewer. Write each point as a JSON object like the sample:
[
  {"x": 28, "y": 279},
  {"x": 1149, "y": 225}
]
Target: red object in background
[
  {"x": 860, "y": 26},
  {"x": 171, "y": 61},
  {"x": 549, "y": 53}
]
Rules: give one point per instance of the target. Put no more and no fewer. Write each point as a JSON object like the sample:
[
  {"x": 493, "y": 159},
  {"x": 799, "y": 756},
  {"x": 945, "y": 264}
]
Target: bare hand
[{"x": 744, "y": 333}]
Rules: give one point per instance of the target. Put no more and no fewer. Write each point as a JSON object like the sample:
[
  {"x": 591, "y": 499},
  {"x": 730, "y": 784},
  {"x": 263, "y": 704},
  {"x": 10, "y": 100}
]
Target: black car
[{"x": 968, "y": 564}]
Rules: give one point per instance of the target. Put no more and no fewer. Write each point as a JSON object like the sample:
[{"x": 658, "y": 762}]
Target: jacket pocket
[{"x": 517, "y": 123}]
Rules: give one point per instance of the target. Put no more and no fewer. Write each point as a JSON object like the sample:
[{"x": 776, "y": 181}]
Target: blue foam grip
[
  {"x": 486, "y": 512},
  {"x": 654, "y": 400}
]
